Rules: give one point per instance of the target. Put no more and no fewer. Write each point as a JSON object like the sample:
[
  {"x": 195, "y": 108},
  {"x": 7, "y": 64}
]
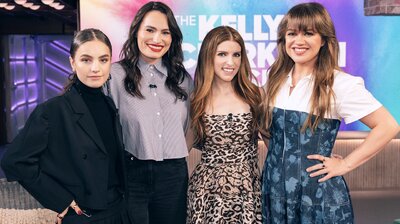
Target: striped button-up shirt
[{"x": 154, "y": 127}]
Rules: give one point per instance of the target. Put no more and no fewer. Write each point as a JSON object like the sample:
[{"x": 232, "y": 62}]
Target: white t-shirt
[{"x": 352, "y": 101}]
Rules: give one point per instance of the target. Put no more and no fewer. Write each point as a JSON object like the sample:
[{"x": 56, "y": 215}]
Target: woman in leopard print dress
[{"x": 225, "y": 185}]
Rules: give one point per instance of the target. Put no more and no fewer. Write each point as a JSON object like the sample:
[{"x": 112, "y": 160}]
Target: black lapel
[{"x": 83, "y": 116}]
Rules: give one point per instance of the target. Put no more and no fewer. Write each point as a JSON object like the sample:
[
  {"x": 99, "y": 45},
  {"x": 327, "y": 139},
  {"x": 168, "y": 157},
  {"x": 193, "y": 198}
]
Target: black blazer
[{"x": 59, "y": 155}]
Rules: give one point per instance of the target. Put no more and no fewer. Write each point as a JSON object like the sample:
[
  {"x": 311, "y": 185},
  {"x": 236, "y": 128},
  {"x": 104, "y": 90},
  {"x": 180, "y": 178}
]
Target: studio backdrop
[{"x": 369, "y": 45}]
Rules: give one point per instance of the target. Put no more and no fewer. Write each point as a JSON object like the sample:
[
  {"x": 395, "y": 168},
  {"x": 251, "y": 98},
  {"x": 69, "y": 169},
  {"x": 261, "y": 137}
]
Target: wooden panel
[{"x": 380, "y": 173}]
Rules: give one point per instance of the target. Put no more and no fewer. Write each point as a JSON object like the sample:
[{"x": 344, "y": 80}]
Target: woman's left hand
[{"x": 331, "y": 166}]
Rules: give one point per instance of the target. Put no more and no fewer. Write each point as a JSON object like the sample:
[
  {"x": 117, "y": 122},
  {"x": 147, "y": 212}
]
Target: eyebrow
[
  {"x": 227, "y": 52},
  {"x": 90, "y": 56},
  {"x": 291, "y": 29},
  {"x": 152, "y": 27}
]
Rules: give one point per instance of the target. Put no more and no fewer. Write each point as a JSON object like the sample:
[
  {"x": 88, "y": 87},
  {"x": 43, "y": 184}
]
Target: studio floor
[{"x": 376, "y": 207}]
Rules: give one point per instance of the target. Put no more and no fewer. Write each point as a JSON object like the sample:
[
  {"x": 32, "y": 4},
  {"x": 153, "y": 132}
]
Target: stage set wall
[
  {"x": 36, "y": 66},
  {"x": 369, "y": 45}
]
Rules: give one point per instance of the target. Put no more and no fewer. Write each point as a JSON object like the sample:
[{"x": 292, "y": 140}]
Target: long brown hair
[
  {"x": 304, "y": 16},
  {"x": 204, "y": 77}
]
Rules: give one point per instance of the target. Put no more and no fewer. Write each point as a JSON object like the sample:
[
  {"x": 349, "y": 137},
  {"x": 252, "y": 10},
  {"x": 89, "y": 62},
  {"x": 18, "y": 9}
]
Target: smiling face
[
  {"x": 303, "y": 46},
  {"x": 154, "y": 37},
  {"x": 92, "y": 63},
  {"x": 227, "y": 61}
]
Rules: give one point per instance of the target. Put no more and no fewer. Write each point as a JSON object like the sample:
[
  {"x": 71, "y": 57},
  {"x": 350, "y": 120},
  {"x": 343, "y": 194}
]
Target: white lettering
[
  {"x": 190, "y": 63},
  {"x": 273, "y": 25},
  {"x": 251, "y": 53},
  {"x": 229, "y": 20},
  {"x": 188, "y": 20},
  {"x": 265, "y": 53},
  {"x": 258, "y": 34},
  {"x": 206, "y": 25},
  {"x": 342, "y": 54},
  {"x": 242, "y": 28}
]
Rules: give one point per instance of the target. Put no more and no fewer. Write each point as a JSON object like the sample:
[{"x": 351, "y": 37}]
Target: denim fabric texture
[{"x": 289, "y": 195}]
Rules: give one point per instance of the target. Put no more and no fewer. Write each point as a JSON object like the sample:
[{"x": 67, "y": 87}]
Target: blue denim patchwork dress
[{"x": 289, "y": 194}]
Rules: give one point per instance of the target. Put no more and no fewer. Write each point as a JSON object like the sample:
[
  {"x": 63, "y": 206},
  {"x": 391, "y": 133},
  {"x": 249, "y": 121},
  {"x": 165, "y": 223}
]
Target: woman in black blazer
[{"x": 69, "y": 155}]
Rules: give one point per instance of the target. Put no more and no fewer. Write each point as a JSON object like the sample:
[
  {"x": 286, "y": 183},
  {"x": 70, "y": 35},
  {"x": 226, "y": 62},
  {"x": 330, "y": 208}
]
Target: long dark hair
[
  {"x": 172, "y": 59},
  {"x": 80, "y": 38}
]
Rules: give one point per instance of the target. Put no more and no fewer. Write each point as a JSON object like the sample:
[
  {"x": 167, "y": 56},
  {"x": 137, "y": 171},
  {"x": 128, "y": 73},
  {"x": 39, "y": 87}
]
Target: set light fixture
[
  {"x": 54, "y": 4},
  {"x": 6, "y": 6},
  {"x": 25, "y": 3},
  {"x": 20, "y": 2}
]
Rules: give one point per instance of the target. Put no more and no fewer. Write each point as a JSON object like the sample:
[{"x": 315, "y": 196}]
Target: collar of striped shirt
[{"x": 144, "y": 66}]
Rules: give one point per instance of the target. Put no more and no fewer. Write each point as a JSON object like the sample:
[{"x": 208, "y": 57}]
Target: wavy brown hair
[
  {"x": 204, "y": 77},
  {"x": 305, "y": 16}
]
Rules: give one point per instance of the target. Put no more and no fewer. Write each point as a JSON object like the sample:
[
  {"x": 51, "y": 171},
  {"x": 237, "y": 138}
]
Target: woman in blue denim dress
[{"x": 306, "y": 97}]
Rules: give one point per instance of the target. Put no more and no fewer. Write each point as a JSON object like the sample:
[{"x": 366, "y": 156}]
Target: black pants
[{"x": 157, "y": 190}]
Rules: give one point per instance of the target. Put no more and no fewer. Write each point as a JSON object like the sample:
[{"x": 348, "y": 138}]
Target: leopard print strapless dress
[{"x": 225, "y": 185}]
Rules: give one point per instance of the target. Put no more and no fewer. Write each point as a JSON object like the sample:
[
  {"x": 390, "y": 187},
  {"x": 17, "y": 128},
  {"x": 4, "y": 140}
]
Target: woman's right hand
[
  {"x": 61, "y": 215},
  {"x": 74, "y": 206}
]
